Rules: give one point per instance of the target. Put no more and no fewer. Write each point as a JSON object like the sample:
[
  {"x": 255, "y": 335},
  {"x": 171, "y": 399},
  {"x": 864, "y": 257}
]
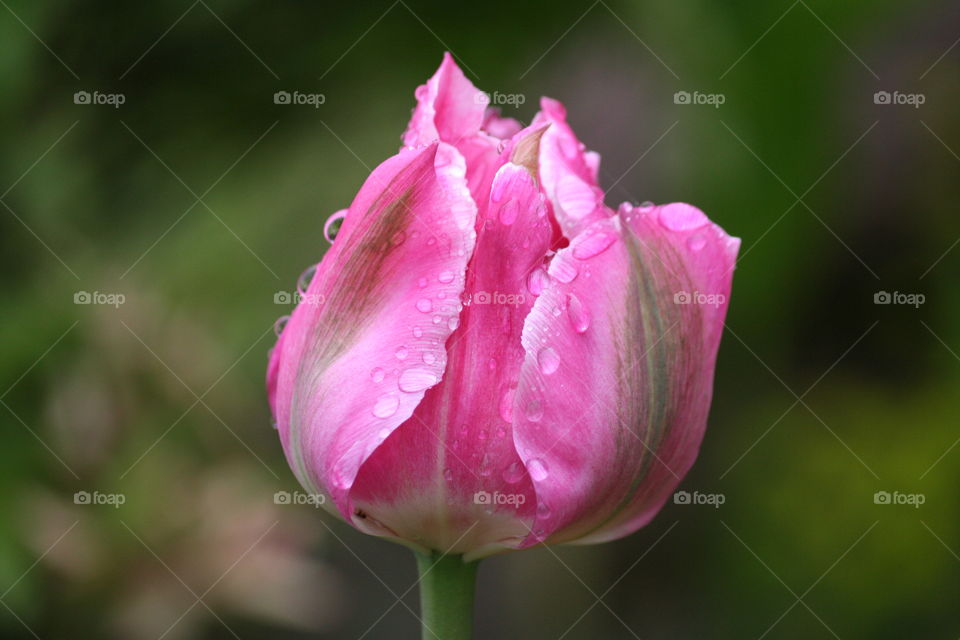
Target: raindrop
[
  {"x": 398, "y": 237},
  {"x": 682, "y": 217},
  {"x": 593, "y": 243},
  {"x": 332, "y": 226},
  {"x": 414, "y": 380},
  {"x": 514, "y": 473},
  {"x": 492, "y": 364},
  {"x": 579, "y": 316},
  {"x": 537, "y": 281},
  {"x": 453, "y": 323},
  {"x": 428, "y": 357},
  {"x": 386, "y": 405},
  {"x": 446, "y": 277},
  {"x": 506, "y": 405},
  {"x": 509, "y": 211},
  {"x": 646, "y": 205},
  {"x": 303, "y": 282},
  {"x": 377, "y": 375},
  {"x": 566, "y": 271},
  {"x": 543, "y": 511},
  {"x": 448, "y": 474},
  {"x": 538, "y": 470},
  {"x": 401, "y": 353},
  {"x": 549, "y": 360},
  {"x": 501, "y": 432},
  {"x": 417, "y": 332},
  {"x": 424, "y": 305},
  {"x": 534, "y": 411},
  {"x": 422, "y": 283},
  {"x": 280, "y": 324},
  {"x": 697, "y": 242}
]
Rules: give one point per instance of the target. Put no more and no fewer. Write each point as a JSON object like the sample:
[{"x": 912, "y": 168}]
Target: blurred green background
[{"x": 199, "y": 200}]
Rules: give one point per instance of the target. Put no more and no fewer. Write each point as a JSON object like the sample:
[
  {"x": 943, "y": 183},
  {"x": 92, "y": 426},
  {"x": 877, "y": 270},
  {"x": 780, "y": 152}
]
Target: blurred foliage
[{"x": 199, "y": 199}]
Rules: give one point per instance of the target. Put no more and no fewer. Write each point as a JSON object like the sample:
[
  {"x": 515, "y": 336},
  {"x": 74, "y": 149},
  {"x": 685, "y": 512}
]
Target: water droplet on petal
[
  {"x": 448, "y": 473},
  {"x": 499, "y": 186},
  {"x": 377, "y": 375},
  {"x": 506, "y": 405},
  {"x": 428, "y": 357},
  {"x": 453, "y": 323},
  {"x": 501, "y": 432},
  {"x": 578, "y": 314},
  {"x": 398, "y": 237},
  {"x": 543, "y": 511},
  {"x": 424, "y": 305},
  {"x": 646, "y": 205},
  {"x": 492, "y": 364},
  {"x": 593, "y": 243},
  {"x": 332, "y": 226},
  {"x": 280, "y": 324},
  {"x": 303, "y": 282},
  {"x": 509, "y": 211},
  {"x": 401, "y": 353},
  {"x": 514, "y": 473},
  {"x": 414, "y": 380},
  {"x": 386, "y": 405},
  {"x": 697, "y": 242},
  {"x": 446, "y": 277},
  {"x": 537, "y": 469},
  {"x": 422, "y": 283},
  {"x": 417, "y": 332},
  {"x": 682, "y": 217},
  {"x": 533, "y": 411},
  {"x": 537, "y": 281},
  {"x": 549, "y": 360}
]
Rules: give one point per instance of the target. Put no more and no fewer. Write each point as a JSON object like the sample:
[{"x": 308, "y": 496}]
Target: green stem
[{"x": 446, "y": 596}]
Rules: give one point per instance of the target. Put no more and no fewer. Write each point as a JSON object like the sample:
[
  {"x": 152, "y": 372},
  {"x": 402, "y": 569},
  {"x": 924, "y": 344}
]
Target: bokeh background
[{"x": 199, "y": 200}]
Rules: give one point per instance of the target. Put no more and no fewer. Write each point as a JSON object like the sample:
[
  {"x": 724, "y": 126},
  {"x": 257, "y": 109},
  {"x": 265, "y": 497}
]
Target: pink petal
[
  {"x": 616, "y": 384},
  {"x": 499, "y": 127},
  {"x": 421, "y": 483},
  {"x": 568, "y": 172},
  {"x": 449, "y": 107},
  {"x": 366, "y": 343}
]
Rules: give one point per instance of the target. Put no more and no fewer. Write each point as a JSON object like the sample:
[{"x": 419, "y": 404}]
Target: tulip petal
[
  {"x": 568, "y": 172},
  {"x": 366, "y": 342},
  {"x": 616, "y": 384},
  {"x": 423, "y": 483}
]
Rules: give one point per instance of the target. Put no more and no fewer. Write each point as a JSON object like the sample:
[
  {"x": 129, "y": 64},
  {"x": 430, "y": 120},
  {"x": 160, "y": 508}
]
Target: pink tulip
[{"x": 489, "y": 357}]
